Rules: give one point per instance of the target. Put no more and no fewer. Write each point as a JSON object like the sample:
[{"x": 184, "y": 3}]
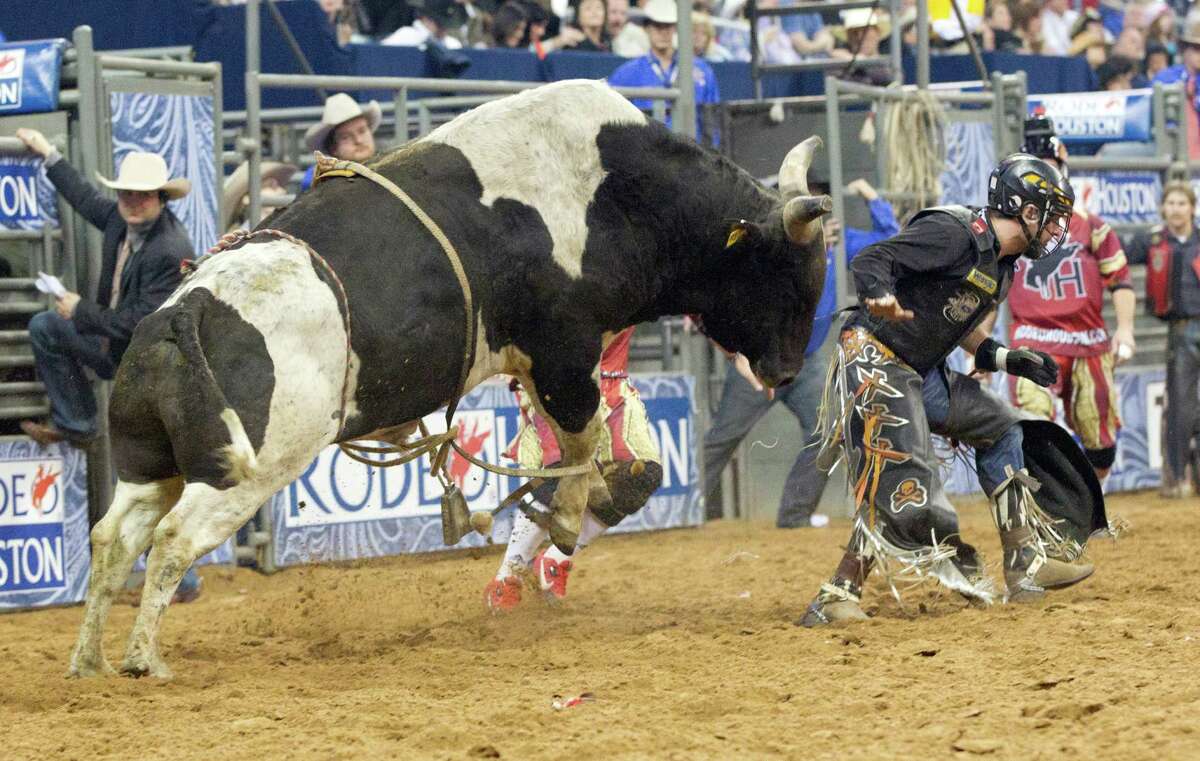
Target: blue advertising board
[
  {"x": 27, "y": 199},
  {"x": 29, "y": 76},
  {"x": 339, "y": 509},
  {"x": 1120, "y": 197},
  {"x": 1097, "y": 117},
  {"x": 44, "y": 545}
]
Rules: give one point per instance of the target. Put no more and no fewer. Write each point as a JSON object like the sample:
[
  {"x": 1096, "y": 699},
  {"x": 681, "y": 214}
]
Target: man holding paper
[{"x": 144, "y": 246}]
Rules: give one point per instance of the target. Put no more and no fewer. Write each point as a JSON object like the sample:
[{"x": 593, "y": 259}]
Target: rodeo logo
[
  {"x": 12, "y": 72},
  {"x": 962, "y": 305},
  {"x": 31, "y": 525}
]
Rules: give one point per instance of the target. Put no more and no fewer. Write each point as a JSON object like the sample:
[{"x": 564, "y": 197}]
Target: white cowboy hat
[
  {"x": 147, "y": 172},
  {"x": 237, "y": 185},
  {"x": 661, "y": 12},
  {"x": 339, "y": 109},
  {"x": 857, "y": 18}
]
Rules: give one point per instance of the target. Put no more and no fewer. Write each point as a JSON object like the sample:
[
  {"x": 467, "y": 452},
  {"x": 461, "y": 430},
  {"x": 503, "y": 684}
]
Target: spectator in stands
[
  {"x": 591, "y": 18},
  {"x": 1131, "y": 44},
  {"x": 236, "y": 194},
  {"x": 1172, "y": 256},
  {"x": 340, "y": 18},
  {"x": 629, "y": 40},
  {"x": 1160, "y": 26},
  {"x": 947, "y": 34},
  {"x": 775, "y": 45},
  {"x": 1027, "y": 24},
  {"x": 742, "y": 405},
  {"x": 704, "y": 40},
  {"x": 144, "y": 246},
  {"x": 346, "y": 131},
  {"x": 658, "y": 68},
  {"x": 997, "y": 30},
  {"x": 1087, "y": 38},
  {"x": 540, "y": 21},
  {"x": 508, "y": 26},
  {"x": 1186, "y": 72},
  {"x": 863, "y": 29},
  {"x": 807, "y": 31},
  {"x": 1157, "y": 60},
  {"x": 1116, "y": 73},
  {"x": 434, "y": 20},
  {"x": 382, "y": 17},
  {"x": 1057, "y": 20}
]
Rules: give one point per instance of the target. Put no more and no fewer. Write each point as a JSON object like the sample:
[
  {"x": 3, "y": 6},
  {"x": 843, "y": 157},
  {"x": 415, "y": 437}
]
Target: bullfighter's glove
[{"x": 1037, "y": 366}]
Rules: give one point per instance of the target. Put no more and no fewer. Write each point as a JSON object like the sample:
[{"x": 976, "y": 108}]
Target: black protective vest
[{"x": 946, "y": 307}]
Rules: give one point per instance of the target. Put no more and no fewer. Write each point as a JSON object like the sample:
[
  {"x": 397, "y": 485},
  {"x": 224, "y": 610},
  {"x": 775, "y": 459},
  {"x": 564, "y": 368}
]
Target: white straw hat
[
  {"x": 339, "y": 109},
  {"x": 661, "y": 12},
  {"x": 237, "y": 185},
  {"x": 147, "y": 172}
]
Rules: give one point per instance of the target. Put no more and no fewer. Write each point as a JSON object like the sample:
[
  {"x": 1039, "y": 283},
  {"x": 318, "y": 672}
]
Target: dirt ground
[{"x": 685, "y": 638}]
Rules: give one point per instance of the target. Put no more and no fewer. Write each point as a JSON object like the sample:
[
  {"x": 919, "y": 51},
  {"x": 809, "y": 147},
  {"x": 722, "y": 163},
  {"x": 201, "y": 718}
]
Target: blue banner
[
  {"x": 44, "y": 544},
  {"x": 29, "y": 73},
  {"x": 1098, "y": 117},
  {"x": 339, "y": 509},
  {"x": 1120, "y": 197},
  {"x": 27, "y": 199}
]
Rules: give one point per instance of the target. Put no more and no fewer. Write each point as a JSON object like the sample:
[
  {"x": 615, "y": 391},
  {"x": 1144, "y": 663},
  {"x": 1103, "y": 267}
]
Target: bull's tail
[{"x": 237, "y": 458}]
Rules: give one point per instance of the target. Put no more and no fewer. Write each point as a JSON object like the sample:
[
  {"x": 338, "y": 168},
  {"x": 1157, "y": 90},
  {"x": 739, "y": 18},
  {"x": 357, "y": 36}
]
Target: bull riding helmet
[
  {"x": 1041, "y": 139},
  {"x": 1023, "y": 180}
]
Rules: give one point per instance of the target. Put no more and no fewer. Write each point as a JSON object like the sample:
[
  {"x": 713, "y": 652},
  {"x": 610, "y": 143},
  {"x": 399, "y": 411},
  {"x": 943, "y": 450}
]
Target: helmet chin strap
[{"x": 1032, "y": 245}]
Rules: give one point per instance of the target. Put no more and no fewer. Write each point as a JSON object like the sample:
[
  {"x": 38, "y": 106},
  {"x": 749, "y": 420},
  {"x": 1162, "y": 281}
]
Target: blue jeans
[
  {"x": 61, "y": 353},
  {"x": 989, "y": 459},
  {"x": 190, "y": 580},
  {"x": 741, "y": 407},
  {"x": 1183, "y": 374}
]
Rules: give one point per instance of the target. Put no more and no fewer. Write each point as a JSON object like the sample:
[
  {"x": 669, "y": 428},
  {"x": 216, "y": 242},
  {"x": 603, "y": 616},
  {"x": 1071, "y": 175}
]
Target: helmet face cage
[{"x": 1023, "y": 180}]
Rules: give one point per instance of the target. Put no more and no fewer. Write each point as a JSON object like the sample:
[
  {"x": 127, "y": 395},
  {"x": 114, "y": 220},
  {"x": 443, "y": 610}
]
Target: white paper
[{"x": 50, "y": 284}]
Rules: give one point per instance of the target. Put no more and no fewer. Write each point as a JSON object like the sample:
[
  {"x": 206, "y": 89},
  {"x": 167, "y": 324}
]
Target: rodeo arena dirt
[{"x": 431, "y": 429}]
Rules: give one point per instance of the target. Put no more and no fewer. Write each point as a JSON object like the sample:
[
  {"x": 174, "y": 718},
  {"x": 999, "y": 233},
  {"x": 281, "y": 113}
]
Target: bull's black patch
[
  {"x": 657, "y": 228},
  {"x": 185, "y": 365}
]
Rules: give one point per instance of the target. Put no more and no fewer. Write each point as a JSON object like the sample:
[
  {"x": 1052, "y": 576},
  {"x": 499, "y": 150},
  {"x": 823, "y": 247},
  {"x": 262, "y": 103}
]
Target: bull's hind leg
[
  {"x": 203, "y": 518},
  {"x": 117, "y": 540}
]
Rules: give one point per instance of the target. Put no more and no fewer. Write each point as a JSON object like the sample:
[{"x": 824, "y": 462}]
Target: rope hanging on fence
[{"x": 915, "y": 140}]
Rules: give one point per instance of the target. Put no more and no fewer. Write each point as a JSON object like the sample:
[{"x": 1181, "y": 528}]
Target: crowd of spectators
[{"x": 1126, "y": 43}]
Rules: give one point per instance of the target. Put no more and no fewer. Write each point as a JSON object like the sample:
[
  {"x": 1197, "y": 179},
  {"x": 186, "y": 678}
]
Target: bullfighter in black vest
[{"x": 923, "y": 292}]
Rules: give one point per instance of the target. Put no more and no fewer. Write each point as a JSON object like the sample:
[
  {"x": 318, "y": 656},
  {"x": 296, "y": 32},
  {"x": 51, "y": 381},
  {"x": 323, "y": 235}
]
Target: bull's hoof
[
  {"x": 138, "y": 666},
  {"x": 90, "y": 669},
  {"x": 564, "y": 538}
]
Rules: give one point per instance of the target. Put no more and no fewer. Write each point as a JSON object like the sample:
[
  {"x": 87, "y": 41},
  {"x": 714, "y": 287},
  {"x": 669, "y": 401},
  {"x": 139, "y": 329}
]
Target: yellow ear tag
[{"x": 735, "y": 235}]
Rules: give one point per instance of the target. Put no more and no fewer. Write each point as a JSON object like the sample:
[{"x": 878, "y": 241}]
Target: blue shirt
[
  {"x": 809, "y": 23},
  {"x": 648, "y": 72},
  {"x": 883, "y": 225},
  {"x": 1178, "y": 73}
]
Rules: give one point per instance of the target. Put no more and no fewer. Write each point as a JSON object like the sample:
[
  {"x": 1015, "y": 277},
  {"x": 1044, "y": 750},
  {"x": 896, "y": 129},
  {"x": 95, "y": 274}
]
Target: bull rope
[{"x": 436, "y": 445}]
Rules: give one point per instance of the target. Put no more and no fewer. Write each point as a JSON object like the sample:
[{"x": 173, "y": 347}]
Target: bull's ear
[{"x": 743, "y": 232}]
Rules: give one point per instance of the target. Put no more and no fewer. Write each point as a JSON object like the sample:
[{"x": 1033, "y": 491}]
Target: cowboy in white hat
[
  {"x": 346, "y": 131},
  {"x": 144, "y": 246},
  {"x": 234, "y": 196}
]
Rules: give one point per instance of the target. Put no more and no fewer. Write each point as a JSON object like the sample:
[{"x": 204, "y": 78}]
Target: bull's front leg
[{"x": 570, "y": 403}]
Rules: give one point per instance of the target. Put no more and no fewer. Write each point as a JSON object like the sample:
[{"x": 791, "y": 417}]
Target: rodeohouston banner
[
  {"x": 1120, "y": 197},
  {"x": 44, "y": 548},
  {"x": 339, "y": 509},
  {"x": 1139, "y": 446},
  {"x": 1098, "y": 117},
  {"x": 29, "y": 74},
  {"x": 27, "y": 199}
]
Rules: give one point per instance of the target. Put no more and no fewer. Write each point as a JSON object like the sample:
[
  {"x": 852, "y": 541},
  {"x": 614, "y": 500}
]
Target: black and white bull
[{"x": 574, "y": 217}]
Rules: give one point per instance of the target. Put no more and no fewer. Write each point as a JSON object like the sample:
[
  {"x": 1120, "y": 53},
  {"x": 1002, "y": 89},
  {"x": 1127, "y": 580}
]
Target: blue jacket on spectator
[
  {"x": 647, "y": 72},
  {"x": 883, "y": 225},
  {"x": 1178, "y": 73}
]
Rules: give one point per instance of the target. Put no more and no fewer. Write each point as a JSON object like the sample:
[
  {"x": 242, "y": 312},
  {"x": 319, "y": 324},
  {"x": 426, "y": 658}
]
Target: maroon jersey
[{"x": 1056, "y": 300}]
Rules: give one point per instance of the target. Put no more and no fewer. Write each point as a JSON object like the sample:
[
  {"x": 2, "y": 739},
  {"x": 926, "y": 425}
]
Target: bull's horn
[
  {"x": 802, "y": 217},
  {"x": 793, "y": 174}
]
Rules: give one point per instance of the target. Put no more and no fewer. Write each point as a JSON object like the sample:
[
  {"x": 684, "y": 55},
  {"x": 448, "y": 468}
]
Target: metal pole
[
  {"x": 923, "y": 44},
  {"x": 836, "y": 183},
  {"x": 999, "y": 95},
  {"x": 755, "y": 74},
  {"x": 218, "y": 148},
  {"x": 684, "y": 120},
  {"x": 253, "y": 143},
  {"x": 962, "y": 24},
  {"x": 99, "y": 455},
  {"x": 400, "y": 113},
  {"x": 897, "y": 61}
]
